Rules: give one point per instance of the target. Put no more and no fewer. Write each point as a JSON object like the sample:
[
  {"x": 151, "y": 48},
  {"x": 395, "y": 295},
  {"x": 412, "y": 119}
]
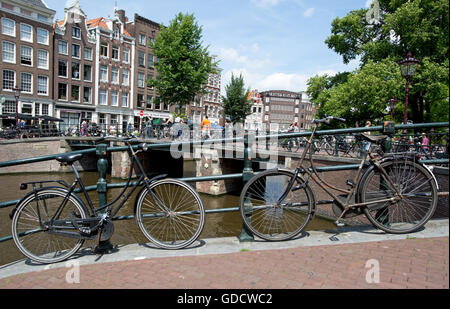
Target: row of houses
[{"x": 80, "y": 69}]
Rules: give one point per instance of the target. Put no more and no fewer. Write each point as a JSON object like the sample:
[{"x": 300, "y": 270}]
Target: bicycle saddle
[
  {"x": 374, "y": 139},
  {"x": 69, "y": 159}
]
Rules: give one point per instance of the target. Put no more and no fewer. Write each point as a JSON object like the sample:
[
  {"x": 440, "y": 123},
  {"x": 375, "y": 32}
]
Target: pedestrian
[
  {"x": 206, "y": 128},
  {"x": 425, "y": 142},
  {"x": 149, "y": 127},
  {"x": 367, "y": 143}
]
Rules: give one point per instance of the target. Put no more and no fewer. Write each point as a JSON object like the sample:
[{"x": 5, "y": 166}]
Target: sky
[{"x": 274, "y": 44}]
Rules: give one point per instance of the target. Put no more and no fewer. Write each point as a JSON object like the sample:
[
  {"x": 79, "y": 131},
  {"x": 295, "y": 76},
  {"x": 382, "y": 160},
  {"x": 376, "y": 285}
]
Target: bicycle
[
  {"x": 51, "y": 223},
  {"x": 397, "y": 194}
]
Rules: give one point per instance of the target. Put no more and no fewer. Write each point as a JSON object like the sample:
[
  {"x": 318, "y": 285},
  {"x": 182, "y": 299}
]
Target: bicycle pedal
[{"x": 350, "y": 183}]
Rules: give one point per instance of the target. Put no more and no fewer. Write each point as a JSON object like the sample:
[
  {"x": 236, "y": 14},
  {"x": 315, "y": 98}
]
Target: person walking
[
  {"x": 206, "y": 128},
  {"x": 366, "y": 146},
  {"x": 149, "y": 127}
]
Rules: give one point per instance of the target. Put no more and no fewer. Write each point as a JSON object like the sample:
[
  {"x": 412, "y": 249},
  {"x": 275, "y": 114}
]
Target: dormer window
[{"x": 116, "y": 33}]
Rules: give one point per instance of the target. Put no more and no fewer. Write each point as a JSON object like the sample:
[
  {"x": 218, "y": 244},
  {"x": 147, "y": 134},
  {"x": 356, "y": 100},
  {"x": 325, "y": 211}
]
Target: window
[
  {"x": 62, "y": 47},
  {"x": 9, "y": 107},
  {"x": 157, "y": 105},
  {"x": 8, "y": 27},
  {"x": 44, "y": 109},
  {"x": 27, "y": 109},
  {"x": 125, "y": 77},
  {"x": 42, "y": 17},
  {"x": 26, "y": 33},
  {"x": 75, "y": 51},
  {"x": 140, "y": 100},
  {"x": 115, "y": 75},
  {"x": 140, "y": 81},
  {"x": 26, "y": 54},
  {"x": 103, "y": 97},
  {"x": 104, "y": 49},
  {"x": 87, "y": 73},
  {"x": 114, "y": 98},
  {"x": 149, "y": 102},
  {"x": 124, "y": 99},
  {"x": 115, "y": 53},
  {"x": 62, "y": 68},
  {"x": 116, "y": 33},
  {"x": 142, "y": 39},
  {"x": 75, "y": 93},
  {"x": 141, "y": 59},
  {"x": 87, "y": 94},
  {"x": 149, "y": 78},
  {"x": 9, "y": 80},
  {"x": 42, "y": 36},
  {"x": 75, "y": 70},
  {"x": 62, "y": 91},
  {"x": 150, "y": 60},
  {"x": 8, "y": 52},
  {"x": 103, "y": 73},
  {"x": 88, "y": 53},
  {"x": 76, "y": 32},
  {"x": 126, "y": 55},
  {"x": 102, "y": 119},
  {"x": 42, "y": 59},
  {"x": 42, "y": 85}
]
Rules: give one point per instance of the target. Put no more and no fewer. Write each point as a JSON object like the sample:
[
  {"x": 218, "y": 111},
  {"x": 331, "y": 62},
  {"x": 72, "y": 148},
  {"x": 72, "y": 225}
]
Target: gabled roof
[
  {"x": 100, "y": 22},
  {"x": 38, "y": 3}
]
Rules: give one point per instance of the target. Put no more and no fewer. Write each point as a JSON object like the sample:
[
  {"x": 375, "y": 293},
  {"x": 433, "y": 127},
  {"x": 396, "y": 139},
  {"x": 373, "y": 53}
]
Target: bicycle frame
[{"x": 313, "y": 174}]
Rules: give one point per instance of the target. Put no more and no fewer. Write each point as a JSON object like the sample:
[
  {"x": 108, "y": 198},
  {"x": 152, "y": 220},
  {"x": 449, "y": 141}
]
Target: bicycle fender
[{"x": 64, "y": 190}]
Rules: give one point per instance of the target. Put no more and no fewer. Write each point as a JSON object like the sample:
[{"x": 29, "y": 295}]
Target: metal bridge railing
[{"x": 246, "y": 174}]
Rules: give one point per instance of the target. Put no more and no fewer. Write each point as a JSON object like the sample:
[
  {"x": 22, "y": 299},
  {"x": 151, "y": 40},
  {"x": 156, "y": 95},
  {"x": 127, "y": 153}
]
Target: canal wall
[{"x": 24, "y": 149}]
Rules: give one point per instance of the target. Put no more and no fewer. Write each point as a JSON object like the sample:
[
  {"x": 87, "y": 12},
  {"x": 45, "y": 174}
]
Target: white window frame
[
  {"x": 79, "y": 51},
  {"x": 142, "y": 39},
  {"x": 31, "y": 83},
  {"x": 79, "y": 93},
  {"x": 125, "y": 98},
  {"x": 114, "y": 75},
  {"x": 66, "y": 47},
  {"x": 84, "y": 70},
  {"x": 117, "y": 48},
  {"x": 102, "y": 79},
  {"x": 90, "y": 95},
  {"x": 22, "y": 47},
  {"x": 89, "y": 53},
  {"x": 141, "y": 80},
  {"x": 47, "y": 36},
  {"x": 13, "y": 34},
  {"x": 46, "y": 59},
  {"x": 114, "y": 98},
  {"x": 21, "y": 32},
  {"x": 107, "y": 49},
  {"x": 103, "y": 93},
  {"x": 79, "y": 31},
  {"x": 46, "y": 85},
  {"x": 126, "y": 55},
  {"x": 13, "y": 61},
  {"x": 3, "y": 80},
  {"x": 67, "y": 90},
  {"x": 125, "y": 81}
]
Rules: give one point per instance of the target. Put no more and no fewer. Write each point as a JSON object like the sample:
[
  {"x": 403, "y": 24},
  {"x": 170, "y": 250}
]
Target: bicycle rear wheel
[
  {"x": 271, "y": 221},
  {"x": 37, "y": 237},
  {"x": 413, "y": 210},
  {"x": 179, "y": 222}
]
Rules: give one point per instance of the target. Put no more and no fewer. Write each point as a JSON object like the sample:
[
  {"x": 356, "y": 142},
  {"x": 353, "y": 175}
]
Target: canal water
[{"x": 224, "y": 224}]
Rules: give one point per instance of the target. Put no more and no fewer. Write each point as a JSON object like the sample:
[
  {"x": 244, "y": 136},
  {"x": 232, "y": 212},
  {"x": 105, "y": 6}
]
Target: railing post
[
  {"x": 102, "y": 166},
  {"x": 247, "y": 173}
]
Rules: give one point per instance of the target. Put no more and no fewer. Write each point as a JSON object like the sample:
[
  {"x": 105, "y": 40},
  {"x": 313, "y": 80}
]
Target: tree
[
  {"x": 236, "y": 102},
  {"x": 183, "y": 64},
  {"x": 417, "y": 26}
]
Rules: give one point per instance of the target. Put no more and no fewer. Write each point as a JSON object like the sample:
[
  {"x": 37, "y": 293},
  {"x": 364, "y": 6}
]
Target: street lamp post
[
  {"x": 408, "y": 68},
  {"x": 17, "y": 91}
]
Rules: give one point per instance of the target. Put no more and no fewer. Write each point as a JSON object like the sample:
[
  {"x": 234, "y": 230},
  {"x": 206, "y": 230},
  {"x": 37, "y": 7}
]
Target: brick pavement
[{"x": 410, "y": 263}]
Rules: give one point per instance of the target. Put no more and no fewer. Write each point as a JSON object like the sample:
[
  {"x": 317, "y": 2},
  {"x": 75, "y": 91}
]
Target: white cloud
[
  {"x": 309, "y": 12},
  {"x": 265, "y": 3},
  {"x": 232, "y": 56}
]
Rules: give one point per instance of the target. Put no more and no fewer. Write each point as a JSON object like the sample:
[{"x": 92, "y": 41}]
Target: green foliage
[
  {"x": 402, "y": 26},
  {"x": 183, "y": 63},
  {"x": 235, "y": 102}
]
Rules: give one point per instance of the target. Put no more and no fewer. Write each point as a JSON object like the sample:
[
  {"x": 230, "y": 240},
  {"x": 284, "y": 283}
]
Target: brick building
[
  {"x": 281, "y": 108},
  {"x": 114, "y": 73},
  {"x": 74, "y": 67},
  {"x": 26, "y": 58}
]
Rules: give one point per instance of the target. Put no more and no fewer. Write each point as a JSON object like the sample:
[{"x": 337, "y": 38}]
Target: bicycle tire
[
  {"x": 417, "y": 187},
  {"x": 177, "y": 229},
  {"x": 36, "y": 242},
  {"x": 271, "y": 222}
]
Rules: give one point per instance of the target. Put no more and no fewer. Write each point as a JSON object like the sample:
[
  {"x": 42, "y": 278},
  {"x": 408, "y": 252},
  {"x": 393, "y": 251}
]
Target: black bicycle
[{"x": 51, "y": 223}]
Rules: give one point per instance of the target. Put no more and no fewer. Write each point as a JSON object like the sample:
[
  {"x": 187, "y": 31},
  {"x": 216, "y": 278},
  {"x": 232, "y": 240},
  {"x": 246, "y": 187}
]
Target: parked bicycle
[
  {"x": 395, "y": 192},
  {"x": 51, "y": 223}
]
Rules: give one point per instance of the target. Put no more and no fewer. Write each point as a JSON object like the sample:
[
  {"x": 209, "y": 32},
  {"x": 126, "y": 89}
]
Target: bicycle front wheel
[
  {"x": 416, "y": 205},
  {"x": 36, "y": 232},
  {"x": 172, "y": 215},
  {"x": 268, "y": 219}
]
